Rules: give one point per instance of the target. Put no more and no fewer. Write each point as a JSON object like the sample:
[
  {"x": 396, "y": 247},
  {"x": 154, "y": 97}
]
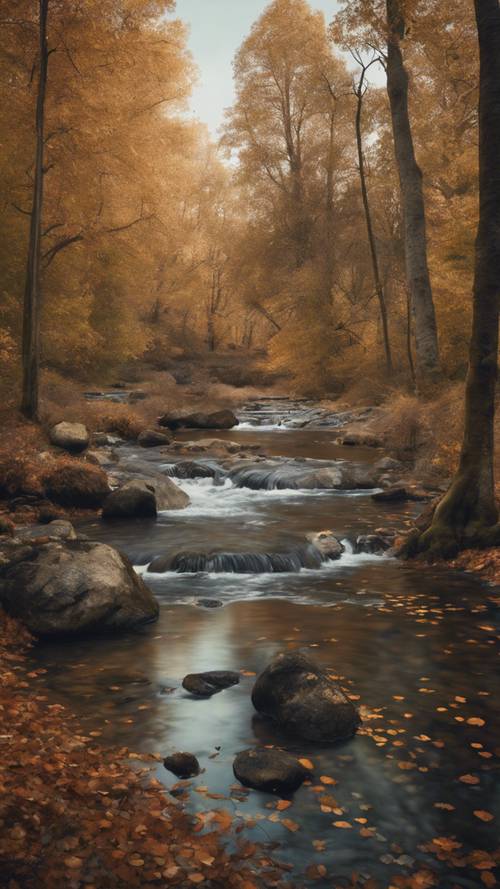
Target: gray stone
[
  {"x": 71, "y": 588},
  {"x": 71, "y": 437}
]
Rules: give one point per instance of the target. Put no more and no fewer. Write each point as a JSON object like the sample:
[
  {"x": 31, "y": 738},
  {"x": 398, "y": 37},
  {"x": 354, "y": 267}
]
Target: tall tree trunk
[
  {"x": 468, "y": 514},
  {"x": 31, "y": 314},
  {"x": 369, "y": 226},
  {"x": 412, "y": 199}
]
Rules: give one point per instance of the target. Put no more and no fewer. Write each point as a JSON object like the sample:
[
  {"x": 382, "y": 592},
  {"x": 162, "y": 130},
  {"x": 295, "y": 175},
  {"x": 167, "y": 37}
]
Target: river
[{"x": 416, "y": 647}]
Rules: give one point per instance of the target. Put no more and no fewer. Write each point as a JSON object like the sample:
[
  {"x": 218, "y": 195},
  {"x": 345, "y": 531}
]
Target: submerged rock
[
  {"x": 72, "y": 437},
  {"x": 269, "y": 770},
  {"x": 184, "y": 765},
  {"x": 301, "y": 697},
  {"x": 73, "y": 587},
  {"x": 204, "y": 685},
  {"x": 400, "y": 494},
  {"x": 209, "y": 603}
]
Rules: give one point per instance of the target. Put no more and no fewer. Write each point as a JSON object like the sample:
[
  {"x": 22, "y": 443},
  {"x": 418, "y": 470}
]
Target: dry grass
[{"x": 72, "y": 483}]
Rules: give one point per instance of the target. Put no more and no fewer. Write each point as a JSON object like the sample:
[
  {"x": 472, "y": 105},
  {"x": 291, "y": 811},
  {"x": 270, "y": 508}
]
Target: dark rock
[
  {"x": 270, "y": 770},
  {"x": 400, "y": 494},
  {"x": 190, "y": 469},
  {"x": 71, "y": 437},
  {"x": 300, "y": 696},
  {"x": 361, "y": 440},
  {"x": 71, "y": 588},
  {"x": 203, "y": 685},
  {"x": 184, "y": 765},
  {"x": 388, "y": 464},
  {"x": 134, "y": 500},
  {"x": 209, "y": 603},
  {"x": 224, "y": 419},
  {"x": 152, "y": 438},
  {"x": 143, "y": 498},
  {"x": 372, "y": 543}
]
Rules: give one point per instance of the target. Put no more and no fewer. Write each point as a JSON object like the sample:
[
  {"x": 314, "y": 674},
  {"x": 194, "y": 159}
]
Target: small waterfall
[{"x": 240, "y": 563}]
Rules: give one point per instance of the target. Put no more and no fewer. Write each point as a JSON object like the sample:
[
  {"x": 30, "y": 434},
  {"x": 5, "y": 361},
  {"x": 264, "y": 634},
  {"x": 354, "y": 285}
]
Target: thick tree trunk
[
  {"x": 369, "y": 227},
  {"x": 468, "y": 514},
  {"x": 31, "y": 315},
  {"x": 412, "y": 199}
]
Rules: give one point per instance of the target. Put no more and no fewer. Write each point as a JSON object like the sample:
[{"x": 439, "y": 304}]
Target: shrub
[
  {"x": 18, "y": 475},
  {"x": 73, "y": 483}
]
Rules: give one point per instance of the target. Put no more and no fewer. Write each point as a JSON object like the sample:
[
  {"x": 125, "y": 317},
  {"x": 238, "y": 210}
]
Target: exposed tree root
[{"x": 462, "y": 520}]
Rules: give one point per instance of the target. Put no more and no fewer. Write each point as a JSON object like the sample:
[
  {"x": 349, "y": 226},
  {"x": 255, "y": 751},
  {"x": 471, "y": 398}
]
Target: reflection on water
[{"x": 418, "y": 647}]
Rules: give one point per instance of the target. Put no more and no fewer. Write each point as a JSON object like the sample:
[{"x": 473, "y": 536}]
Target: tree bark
[
  {"x": 31, "y": 313},
  {"x": 412, "y": 199},
  {"x": 369, "y": 226},
  {"x": 468, "y": 514}
]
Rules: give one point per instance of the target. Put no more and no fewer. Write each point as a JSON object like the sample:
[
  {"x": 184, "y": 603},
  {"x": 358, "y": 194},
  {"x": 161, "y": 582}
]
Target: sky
[{"x": 218, "y": 27}]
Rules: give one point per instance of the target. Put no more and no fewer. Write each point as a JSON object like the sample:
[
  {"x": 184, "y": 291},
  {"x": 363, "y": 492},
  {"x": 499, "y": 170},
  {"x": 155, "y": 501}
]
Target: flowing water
[{"x": 415, "y": 646}]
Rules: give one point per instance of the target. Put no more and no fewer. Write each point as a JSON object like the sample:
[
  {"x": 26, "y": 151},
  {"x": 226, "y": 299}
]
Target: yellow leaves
[
  {"x": 447, "y": 844},
  {"x": 307, "y": 764},
  {"x": 283, "y": 804},
  {"x": 483, "y": 815}
]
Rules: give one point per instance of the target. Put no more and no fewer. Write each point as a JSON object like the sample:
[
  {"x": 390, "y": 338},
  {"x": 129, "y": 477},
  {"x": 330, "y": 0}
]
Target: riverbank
[{"x": 75, "y": 813}]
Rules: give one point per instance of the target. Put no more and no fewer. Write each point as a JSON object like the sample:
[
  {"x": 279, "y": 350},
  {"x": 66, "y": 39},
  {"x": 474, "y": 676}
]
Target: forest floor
[{"x": 77, "y": 814}]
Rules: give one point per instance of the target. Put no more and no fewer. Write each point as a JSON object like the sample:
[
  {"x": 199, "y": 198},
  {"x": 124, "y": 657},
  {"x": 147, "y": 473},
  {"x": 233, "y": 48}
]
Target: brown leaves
[
  {"x": 469, "y": 779},
  {"x": 482, "y": 815}
]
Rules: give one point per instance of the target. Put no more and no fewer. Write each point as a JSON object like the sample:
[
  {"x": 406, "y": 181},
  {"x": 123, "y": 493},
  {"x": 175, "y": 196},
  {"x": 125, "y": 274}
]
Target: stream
[{"x": 416, "y": 647}]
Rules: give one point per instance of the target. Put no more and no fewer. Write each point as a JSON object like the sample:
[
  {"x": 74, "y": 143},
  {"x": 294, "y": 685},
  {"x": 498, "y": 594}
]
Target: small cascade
[{"x": 307, "y": 556}]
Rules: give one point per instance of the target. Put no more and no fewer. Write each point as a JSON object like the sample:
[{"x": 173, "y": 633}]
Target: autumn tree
[
  {"x": 380, "y": 25},
  {"x": 468, "y": 514}
]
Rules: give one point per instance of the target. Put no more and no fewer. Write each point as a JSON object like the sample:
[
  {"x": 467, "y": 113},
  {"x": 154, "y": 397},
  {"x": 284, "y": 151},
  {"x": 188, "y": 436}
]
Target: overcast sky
[{"x": 218, "y": 27}]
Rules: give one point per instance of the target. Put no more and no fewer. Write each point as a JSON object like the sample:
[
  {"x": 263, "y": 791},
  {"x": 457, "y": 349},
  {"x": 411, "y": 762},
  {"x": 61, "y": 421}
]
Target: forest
[{"x": 249, "y": 446}]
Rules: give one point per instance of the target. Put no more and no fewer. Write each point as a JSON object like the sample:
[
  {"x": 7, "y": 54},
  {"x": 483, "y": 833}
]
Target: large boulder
[
  {"x": 144, "y": 498},
  {"x": 70, "y": 588},
  {"x": 270, "y": 770},
  {"x": 153, "y": 438},
  {"x": 76, "y": 484},
  {"x": 302, "y": 698},
  {"x": 224, "y": 419},
  {"x": 72, "y": 437}
]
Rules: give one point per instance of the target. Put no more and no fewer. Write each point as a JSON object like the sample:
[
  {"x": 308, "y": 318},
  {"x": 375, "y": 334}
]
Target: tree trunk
[
  {"x": 31, "y": 314},
  {"x": 369, "y": 227},
  {"x": 468, "y": 514},
  {"x": 412, "y": 199}
]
